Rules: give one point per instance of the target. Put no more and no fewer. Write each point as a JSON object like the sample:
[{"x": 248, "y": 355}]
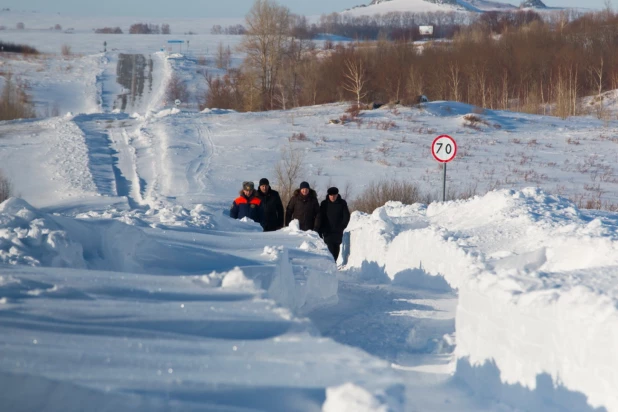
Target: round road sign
[
  {"x": 177, "y": 102},
  {"x": 444, "y": 148}
]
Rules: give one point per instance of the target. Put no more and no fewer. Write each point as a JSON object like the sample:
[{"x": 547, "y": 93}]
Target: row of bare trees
[
  {"x": 538, "y": 67},
  {"x": 235, "y": 29},
  {"x": 145, "y": 28}
]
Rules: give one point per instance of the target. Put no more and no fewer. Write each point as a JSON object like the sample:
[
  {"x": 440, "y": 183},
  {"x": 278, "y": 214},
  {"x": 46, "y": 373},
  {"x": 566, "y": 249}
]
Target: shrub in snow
[
  {"x": 6, "y": 188},
  {"x": 177, "y": 90},
  {"x": 378, "y": 193},
  {"x": 14, "y": 102},
  {"x": 66, "y": 50}
]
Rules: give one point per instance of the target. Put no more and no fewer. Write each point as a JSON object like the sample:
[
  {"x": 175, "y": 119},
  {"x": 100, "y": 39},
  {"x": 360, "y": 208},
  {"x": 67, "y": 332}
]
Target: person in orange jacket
[{"x": 247, "y": 204}]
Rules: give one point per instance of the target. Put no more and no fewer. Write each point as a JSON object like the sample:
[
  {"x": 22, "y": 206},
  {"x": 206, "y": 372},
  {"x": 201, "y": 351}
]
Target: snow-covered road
[{"x": 125, "y": 285}]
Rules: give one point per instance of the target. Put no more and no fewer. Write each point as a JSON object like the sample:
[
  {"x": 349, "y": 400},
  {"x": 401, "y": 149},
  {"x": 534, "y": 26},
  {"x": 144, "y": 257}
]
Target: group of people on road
[{"x": 329, "y": 218}]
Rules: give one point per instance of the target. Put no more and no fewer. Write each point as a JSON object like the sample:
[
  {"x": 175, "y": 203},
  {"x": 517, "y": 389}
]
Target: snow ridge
[{"x": 529, "y": 269}]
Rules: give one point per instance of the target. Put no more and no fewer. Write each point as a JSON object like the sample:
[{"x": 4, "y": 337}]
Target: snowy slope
[
  {"x": 423, "y": 6},
  {"x": 412, "y": 6},
  {"x": 124, "y": 285}
]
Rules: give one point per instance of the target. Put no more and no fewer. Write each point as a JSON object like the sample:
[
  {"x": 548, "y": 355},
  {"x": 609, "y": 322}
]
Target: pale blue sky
[{"x": 210, "y": 8}]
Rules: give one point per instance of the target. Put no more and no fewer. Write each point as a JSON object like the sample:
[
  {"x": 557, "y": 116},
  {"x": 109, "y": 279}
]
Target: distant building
[{"x": 425, "y": 30}]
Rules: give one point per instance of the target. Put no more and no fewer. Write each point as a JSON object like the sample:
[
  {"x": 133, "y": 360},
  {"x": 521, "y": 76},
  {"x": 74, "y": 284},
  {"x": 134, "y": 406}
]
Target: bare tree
[
  {"x": 310, "y": 78},
  {"x": 224, "y": 56},
  {"x": 454, "y": 76},
  {"x": 288, "y": 171},
  {"x": 268, "y": 28},
  {"x": 177, "y": 90},
  {"x": 596, "y": 73},
  {"x": 415, "y": 82},
  {"x": 355, "y": 79}
]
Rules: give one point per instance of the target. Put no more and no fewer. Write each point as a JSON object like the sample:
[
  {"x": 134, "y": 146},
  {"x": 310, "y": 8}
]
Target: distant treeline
[
  {"x": 109, "y": 30},
  {"x": 137, "y": 28},
  {"x": 534, "y": 64},
  {"x": 144, "y": 28},
  {"x": 237, "y": 29},
  {"x": 401, "y": 25},
  {"x": 404, "y": 25}
]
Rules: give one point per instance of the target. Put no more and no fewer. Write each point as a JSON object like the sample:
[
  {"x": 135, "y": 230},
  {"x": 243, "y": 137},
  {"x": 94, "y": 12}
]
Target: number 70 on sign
[{"x": 444, "y": 148}]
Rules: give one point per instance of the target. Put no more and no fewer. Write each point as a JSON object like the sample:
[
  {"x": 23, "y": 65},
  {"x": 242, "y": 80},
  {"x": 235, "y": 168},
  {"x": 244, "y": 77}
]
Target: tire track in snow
[
  {"x": 127, "y": 166},
  {"x": 109, "y": 160},
  {"x": 198, "y": 169}
]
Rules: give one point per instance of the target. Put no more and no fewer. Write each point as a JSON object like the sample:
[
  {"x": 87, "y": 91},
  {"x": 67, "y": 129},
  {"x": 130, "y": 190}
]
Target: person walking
[
  {"x": 273, "y": 207},
  {"x": 332, "y": 220},
  {"x": 303, "y": 206},
  {"x": 247, "y": 204}
]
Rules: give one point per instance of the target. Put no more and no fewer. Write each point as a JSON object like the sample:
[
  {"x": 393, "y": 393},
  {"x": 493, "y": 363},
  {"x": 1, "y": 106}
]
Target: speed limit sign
[{"x": 444, "y": 148}]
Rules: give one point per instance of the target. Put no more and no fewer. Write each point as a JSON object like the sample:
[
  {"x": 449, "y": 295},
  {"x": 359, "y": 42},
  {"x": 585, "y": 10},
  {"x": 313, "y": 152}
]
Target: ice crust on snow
[{"x": 537, "y": 281}]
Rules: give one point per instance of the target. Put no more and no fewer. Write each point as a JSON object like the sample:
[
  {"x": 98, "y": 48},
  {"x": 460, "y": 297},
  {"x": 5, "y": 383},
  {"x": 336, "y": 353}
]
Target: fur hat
[
  {"x": 264, "y": 181},
  {"x": 304, "y": 185},
  {"x": 248, "y": 186},
  {"x": 332, "y": 191}
]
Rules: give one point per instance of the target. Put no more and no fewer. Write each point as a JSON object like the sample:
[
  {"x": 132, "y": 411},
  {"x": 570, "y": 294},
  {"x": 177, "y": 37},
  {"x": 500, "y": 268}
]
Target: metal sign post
[{"x": 444, "y": 149}]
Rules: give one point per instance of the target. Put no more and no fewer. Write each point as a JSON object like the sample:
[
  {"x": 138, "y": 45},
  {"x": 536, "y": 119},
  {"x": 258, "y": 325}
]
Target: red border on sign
[{"x": 454, "y": 144}]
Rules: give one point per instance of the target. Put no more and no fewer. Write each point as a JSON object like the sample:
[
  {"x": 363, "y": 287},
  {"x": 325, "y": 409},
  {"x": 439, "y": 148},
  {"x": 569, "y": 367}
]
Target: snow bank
[
  {"x": 198, "y": 217},
  {"x": 353, "y": 398},
  {"x": 299, "y": 279},
  {"x": 300, "y": 288},
  {"x": 166, "y": 112},
  {"x": 537, "y": 283},
  {"x": 31, "y": 237},
  {"x": 217, "y": 111}
]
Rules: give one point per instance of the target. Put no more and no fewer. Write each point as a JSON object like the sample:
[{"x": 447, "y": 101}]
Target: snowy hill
[
  {"x": 125, "y": 285},
  {"x": 421, "y": 6}
]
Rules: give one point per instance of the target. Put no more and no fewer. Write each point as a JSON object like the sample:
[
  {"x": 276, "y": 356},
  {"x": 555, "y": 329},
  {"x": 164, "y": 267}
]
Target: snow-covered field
[{"x": 124, "y": 285}]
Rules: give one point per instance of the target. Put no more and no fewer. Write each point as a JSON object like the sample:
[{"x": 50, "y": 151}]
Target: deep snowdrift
[
  {"x": 300, "y": 281},
  {"x": 138, "y": 315},
  {"x": 537, "y": 283}
]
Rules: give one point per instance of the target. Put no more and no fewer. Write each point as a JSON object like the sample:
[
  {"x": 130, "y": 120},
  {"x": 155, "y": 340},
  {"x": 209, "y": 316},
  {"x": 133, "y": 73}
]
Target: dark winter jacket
[
  {"x": 303, "y": 208},
  {"x": 273, "y": 210},
  {"x": 333, "y": 218},
  {"x": 250, "y": 207}
]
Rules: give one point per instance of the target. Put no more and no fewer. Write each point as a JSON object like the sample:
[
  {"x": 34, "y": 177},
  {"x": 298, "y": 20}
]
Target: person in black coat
[
  {"x": 332, "y": 220},
  {"x": 273, "y": 207},
  {"x": 247, "y": 204},
  {"x": 303, "y": 206}
]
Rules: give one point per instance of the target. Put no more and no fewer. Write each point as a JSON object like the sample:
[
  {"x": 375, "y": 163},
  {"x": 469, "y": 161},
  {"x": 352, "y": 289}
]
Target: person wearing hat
[
  {"x": 272, "y": 205},
  {"x": 303, "y": 206},
  {"x": 247, "y": 204},
  {"x": 332, "y": 220}
]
